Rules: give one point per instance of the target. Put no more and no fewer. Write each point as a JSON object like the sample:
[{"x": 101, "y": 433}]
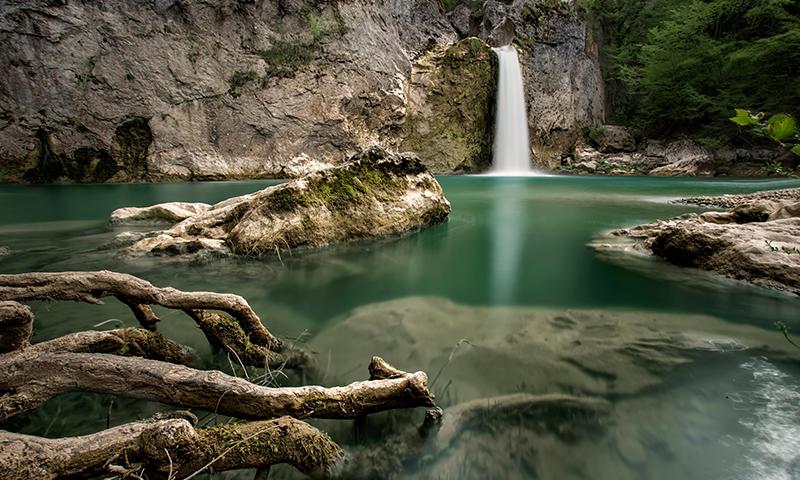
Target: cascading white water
[{"x": 511, "y": 154}]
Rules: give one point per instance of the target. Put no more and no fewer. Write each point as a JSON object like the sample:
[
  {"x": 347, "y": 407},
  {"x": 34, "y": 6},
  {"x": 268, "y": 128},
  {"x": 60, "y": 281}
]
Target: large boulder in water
[{"x": 374, "y": 194}]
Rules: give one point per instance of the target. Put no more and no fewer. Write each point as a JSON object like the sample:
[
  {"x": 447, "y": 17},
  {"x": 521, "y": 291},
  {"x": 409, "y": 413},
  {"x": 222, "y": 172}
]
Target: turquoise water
[{"x": 509, "y": 242}]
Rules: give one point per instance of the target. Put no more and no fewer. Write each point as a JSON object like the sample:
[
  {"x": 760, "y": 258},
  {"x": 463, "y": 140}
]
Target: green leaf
[
  {"x": 744, "y": 118},
  {"x": 780, "y": 127},
  {"x": 795, "y": 150}
]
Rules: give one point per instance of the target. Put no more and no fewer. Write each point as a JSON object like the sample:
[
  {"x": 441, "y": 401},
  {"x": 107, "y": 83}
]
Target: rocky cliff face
[
  {"x": 563, "y": 81},
  {"x": 187, "y": 89}
]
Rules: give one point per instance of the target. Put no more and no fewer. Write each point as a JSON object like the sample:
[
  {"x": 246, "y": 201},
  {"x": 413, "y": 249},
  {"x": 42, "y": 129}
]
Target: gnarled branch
[
  {"x": 31, "y": 378},
  {"x": 170, "y": 448},
  {"x": 236, "y": 330},
  {"x": 138, "y": 294}
]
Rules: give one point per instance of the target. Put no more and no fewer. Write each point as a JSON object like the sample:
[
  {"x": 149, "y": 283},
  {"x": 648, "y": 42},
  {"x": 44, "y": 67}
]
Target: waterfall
[{"x": 511, "y": 154}]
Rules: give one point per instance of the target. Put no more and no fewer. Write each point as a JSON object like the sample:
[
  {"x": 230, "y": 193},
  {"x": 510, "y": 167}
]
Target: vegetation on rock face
[
  {"x": 286, "y": 55},
  {"x": 450, "y": 117},
  {"x": 241, "y": 78},
  {"x": 678, "y": 67},
  {"x": 593, "y": 134}
]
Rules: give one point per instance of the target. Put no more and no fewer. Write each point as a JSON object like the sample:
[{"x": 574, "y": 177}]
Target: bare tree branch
[
  {"x": 138, "y": 294},
  {"x": 30, "y": 378}
]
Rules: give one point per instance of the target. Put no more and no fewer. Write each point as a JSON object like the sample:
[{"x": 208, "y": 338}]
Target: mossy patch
[
  {"x": 287, "y": 200},
  {"x": 343, "y": 188},
  {"x": 239, "y": 79},
  {"x": 450, "y": 119}
]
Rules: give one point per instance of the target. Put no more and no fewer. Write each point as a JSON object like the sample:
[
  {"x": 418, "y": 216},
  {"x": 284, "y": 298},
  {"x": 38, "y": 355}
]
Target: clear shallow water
[{"x": 509, "y": 242}]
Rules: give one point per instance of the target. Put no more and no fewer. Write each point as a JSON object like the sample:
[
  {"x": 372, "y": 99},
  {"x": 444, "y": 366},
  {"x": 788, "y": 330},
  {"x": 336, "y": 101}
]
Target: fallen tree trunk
[
  {"x": 170, "y": 448},
  {"x": 30, "y": 378}
]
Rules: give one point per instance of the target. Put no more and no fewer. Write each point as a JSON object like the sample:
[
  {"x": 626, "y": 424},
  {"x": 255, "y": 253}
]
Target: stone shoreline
[{"x": 758, "y": 241}]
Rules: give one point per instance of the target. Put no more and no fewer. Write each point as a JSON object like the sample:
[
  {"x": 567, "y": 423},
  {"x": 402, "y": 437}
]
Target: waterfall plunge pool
[{"x": 510, "y": 273}]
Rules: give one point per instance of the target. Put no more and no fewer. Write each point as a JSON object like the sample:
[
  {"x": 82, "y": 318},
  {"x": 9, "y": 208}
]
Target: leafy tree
[{"x": 678, "y": 67}]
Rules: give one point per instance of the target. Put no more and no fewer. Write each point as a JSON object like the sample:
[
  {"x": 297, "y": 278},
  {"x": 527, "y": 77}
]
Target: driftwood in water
[
  {"x": 140, "y": 363},
  {"x": 237, "y": 330},
  {"x": 169, "y": 448}
]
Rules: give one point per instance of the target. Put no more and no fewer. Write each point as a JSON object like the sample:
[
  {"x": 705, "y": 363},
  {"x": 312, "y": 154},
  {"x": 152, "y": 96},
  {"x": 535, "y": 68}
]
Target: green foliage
[
  {"x": 450, "y": 5},
  {"x": 780, "y": 128},
  {"x": 593, "y": 134},
  {"x": 677, "y": 67},
  {"x": 283, "y": 58},
  {"x": 241, "y": 78}
]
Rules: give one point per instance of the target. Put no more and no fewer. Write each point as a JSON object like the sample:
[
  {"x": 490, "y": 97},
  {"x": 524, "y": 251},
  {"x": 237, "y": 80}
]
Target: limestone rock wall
[
  {"x": 450, "y": 107},
  {"x": 96, "y": 91}
]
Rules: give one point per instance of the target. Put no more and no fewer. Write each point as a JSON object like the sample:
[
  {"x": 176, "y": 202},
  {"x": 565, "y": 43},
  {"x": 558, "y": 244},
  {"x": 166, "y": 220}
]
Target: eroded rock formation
[
  {"x": 757, "y": 241},
  {"x": 614, "y": 151},
  {"x": 375, "y": 194}
]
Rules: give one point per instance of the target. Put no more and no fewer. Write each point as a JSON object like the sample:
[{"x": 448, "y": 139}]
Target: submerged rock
[
  {"x": 171, "y": 213},
  {"x": 484, "y": 351},
  {"x": 375, "y": 194},
  {"x": 758, "y": 241}
]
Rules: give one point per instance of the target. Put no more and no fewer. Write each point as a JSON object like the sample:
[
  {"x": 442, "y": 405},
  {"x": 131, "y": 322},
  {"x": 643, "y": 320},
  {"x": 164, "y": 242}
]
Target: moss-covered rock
[
  {"x": 450, "y": 107},
  {"x": 374, "y": 194}
]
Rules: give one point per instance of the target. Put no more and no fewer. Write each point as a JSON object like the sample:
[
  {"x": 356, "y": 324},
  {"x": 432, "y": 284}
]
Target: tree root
[
  {"x": 30, "y": 378},
  {"x": 141, "y": 363},
  {"x": 238, "y": 330},
  {"x": 170, "y": 448},
  {"x": 16, "y": 322}
]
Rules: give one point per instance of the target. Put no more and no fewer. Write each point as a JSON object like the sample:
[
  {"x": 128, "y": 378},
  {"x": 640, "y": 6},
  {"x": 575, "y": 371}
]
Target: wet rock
[
  {"x": 758, "y": 242},
  {"x": 616, "y": 139},
  {"x": 450, "y": 107},
  {"x": 732, "y": 201},
  {"x": 169, "y": 213},
  {"x": 375, "y": 194}
]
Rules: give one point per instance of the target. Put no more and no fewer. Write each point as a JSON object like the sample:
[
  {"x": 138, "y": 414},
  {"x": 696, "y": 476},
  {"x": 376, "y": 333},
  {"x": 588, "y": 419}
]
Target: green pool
[{"x": 509, "y": 242}]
